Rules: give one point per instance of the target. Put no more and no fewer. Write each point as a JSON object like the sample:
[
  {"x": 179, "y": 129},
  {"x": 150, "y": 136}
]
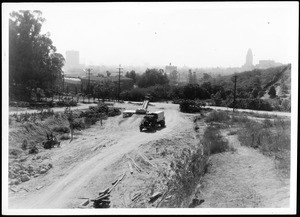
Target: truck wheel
[
  {"x": 141, "y": 129},
  {"x": 162, "y": 123}
]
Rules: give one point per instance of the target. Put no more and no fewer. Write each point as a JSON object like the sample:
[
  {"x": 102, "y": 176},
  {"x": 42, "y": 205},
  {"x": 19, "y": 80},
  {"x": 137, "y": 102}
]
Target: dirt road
[
  {"x": 90, "y": 154},
  {"x": 276, "y": 113},
  {"x": 244, "y": 178}
]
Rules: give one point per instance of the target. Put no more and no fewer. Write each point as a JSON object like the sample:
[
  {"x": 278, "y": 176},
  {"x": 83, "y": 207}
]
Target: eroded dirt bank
[{"x": 244, "y": 178}]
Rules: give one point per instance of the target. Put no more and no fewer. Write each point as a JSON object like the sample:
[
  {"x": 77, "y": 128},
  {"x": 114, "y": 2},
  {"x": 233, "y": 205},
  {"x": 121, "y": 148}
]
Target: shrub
[
  {"x": 214, "y": 141},
  {"x": 113, "y": 112},
  {"x": 255, "y": 104},
  {"x": 78, "y": 124},
  {"x": 217, "y": 116},
  {"x": 190, "y": 106},
  {"x": 61, "y": 129},
  {"x": 88, "y": 121}
]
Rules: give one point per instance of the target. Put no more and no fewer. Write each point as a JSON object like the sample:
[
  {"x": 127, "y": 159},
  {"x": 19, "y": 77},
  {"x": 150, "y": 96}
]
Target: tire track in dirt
[
  {"x": 62, "y": 191},
  {"x": 244, "y": 178}
]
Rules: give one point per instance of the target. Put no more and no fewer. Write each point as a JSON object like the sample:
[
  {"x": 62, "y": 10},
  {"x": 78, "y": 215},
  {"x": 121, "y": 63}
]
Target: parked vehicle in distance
[{"x": 151, "y": 120}]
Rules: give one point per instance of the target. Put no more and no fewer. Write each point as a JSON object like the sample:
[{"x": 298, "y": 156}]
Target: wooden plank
[
  {"x": 146, "y": 159},
  {"x": 117, "y": 182},
  {"x": 85, "y": 203},
  {"x": 101, "y": 197},
  {"x": 104, "y": 191},
  {"x": 136, "y": 196},
  {"x": 136, "y": 166},
  {"x": 130, "y": 167}
]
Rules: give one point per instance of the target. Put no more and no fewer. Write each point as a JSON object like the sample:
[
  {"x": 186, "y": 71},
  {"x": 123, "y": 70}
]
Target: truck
[{"x": 152, "y": 120}]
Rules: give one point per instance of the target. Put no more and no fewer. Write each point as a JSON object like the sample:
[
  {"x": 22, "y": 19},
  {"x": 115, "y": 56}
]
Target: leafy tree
[
  {"x": 132, "y": 75},
  {"x": 33, "y": 61},
  {"x": 206, "y": 76},
  {"x": 254, "y": 93},
  {"x": 152, "y": 77},
  {"x": 104, "y": 89},
  {"x": 283, "y": 87},
  {"x": 272, "y": 92},
  {"x": 256, "y": 83}
]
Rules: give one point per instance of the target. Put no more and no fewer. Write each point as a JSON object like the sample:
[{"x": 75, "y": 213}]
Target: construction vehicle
[
  {"x": 152, "y": 120},
  {"x": 143, "y": 110}
]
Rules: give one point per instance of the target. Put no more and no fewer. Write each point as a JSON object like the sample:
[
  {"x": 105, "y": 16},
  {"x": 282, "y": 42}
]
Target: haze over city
[{"x": 185, "y": 34}]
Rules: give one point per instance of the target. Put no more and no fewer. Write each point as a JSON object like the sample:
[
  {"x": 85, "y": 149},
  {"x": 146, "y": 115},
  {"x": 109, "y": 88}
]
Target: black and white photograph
[{"x": 149, "y": 108}]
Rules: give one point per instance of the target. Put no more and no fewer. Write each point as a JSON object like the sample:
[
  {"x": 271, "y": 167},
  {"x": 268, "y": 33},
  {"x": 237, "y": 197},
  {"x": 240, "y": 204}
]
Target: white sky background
[{"x": 193, "y": 34}]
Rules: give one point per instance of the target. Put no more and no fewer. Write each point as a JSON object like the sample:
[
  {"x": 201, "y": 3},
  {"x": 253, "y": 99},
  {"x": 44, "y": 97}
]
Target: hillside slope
[{"x": 267, "y": 77}]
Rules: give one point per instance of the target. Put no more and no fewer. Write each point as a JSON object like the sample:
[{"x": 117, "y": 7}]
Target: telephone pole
[
  {"x": 88, "y": 70},
  {"x": 119, "y": 88},
  {"x": 234, "y": 94}
]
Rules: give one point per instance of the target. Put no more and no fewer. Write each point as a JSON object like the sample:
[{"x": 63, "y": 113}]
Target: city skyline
[{"x": 201, "y": 35}]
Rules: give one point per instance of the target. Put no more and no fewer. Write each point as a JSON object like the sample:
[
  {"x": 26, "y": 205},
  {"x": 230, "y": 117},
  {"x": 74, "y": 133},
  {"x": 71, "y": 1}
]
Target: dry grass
[
  {"x": 271, "y": 137},
  {"x": 217, "y": 116}
]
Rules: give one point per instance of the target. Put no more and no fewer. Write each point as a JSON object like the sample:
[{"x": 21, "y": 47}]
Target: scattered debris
[
  {"x": 130, "y": 167},
  {"x": 163, "y": 198},
  {"x": 117, "y": 182},
  {"x": 135, "y": 165},
  {"x": 39, "y": 187},
  {"x": 146, "y": 159},
  {"x": 85, "y": 202},
  {"x": 13, "y": 190},
  {"x": 103, "y": 192},
  {"x": 103, "y": 201},
  {"x": 136, "y": 196},
  {"x": 155, "y": 196},
  {"x": 24, "y": 189}
]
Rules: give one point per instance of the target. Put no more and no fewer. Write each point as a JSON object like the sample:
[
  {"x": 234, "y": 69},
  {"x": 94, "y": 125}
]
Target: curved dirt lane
[
  {"x": 243, "y": 179},
  {"x": 64, "y": 189}
]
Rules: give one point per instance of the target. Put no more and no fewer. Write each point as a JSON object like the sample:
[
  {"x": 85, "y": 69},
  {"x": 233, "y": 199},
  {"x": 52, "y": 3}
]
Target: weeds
[
  {"x": 214, "y": 141},
  {"x": 217, "y": 116},
  {"x": 271, "y": 139},
  {"x": 185, "y": 173}
]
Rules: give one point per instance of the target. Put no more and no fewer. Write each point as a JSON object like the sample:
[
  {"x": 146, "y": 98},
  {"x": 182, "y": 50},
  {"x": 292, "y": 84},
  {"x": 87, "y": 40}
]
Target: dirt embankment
[
  {"x": 96, "y": 157},
  {"x": 244, "y": 178}
]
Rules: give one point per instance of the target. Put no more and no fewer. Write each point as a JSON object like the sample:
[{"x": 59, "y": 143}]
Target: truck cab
[{"x": 151, "y": 120}]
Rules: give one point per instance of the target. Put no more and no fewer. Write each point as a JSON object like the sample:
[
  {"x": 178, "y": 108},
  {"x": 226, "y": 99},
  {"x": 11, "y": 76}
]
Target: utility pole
[
  {"x": 119, "y": 88},
  {"x": 234, "y": 95},
  {"x": 88, "y": 70}
]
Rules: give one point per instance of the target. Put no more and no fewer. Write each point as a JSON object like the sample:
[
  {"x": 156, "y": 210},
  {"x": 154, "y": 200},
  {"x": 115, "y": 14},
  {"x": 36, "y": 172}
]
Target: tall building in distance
[
  {"x": 172, "y": 73},
  {"x": 249, "y": 61},
  {"x": 72, "y": 60}
]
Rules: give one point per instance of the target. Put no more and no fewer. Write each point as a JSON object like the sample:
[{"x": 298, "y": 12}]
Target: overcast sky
[{"x": 193, "y": 34}]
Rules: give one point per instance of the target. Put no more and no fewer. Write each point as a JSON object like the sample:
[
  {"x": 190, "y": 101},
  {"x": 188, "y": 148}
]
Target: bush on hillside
[
  {"x": 190, "y": 106},
  {"x": 254, "y": 104}
]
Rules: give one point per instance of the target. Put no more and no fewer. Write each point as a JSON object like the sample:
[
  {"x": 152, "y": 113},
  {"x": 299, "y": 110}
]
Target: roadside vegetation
[
  {"x": 31, "y": 133},
  {"x": 269, "y": 134}
]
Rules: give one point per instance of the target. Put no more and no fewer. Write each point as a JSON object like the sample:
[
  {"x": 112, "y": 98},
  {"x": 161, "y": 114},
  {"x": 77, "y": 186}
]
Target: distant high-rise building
[
  {"x": 172, "y": 72},
  {"x": 72, "y": 59},
  {"x": 249, "y": 61}
]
